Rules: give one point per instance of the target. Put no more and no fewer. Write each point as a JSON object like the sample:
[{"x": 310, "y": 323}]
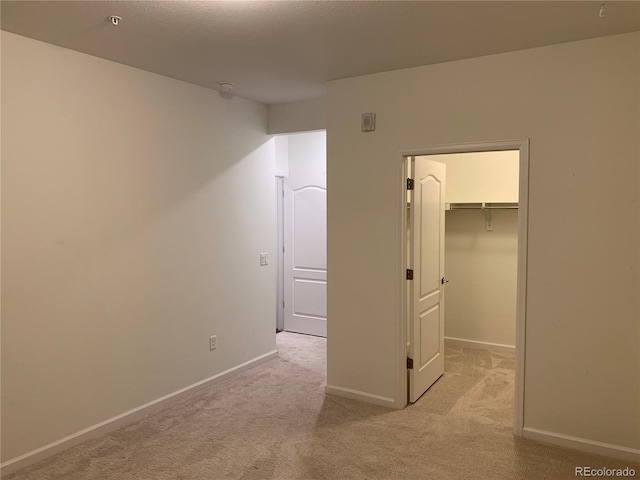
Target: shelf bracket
[{"x": 489, "y": 219}]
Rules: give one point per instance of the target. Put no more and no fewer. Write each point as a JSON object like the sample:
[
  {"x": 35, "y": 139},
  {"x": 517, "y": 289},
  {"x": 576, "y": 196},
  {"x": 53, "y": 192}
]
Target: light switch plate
[{"x": 264, "y": 259}]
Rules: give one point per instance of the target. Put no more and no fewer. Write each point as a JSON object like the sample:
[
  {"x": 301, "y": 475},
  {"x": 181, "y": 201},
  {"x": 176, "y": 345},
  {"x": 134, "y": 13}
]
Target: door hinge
[
  {"x": 409, "y": 274},
  {"x": 410, "y": 363},
  {"x": 410, "y": 183}
]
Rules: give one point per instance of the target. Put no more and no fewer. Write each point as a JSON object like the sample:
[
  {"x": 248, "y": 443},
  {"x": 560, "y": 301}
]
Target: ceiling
[{"x": 282, "y": 51}]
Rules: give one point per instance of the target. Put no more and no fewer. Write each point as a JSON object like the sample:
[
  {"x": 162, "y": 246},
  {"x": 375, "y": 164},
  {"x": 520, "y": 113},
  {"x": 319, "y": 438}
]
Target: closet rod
[{"x": 480, "y": 205}]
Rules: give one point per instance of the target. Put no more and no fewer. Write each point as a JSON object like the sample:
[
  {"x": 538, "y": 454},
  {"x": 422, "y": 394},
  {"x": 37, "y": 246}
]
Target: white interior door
[
  {"x": 426, "y": 310},
  {"x": 305, "y": 257}
]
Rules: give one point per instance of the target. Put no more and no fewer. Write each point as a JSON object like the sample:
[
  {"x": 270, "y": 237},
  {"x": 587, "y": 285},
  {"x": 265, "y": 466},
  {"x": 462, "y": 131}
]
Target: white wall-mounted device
[{"x": 368, "y": 122}]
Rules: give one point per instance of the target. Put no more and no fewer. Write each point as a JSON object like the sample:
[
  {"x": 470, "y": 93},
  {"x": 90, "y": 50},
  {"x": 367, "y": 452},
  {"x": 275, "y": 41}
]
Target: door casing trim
[
  {"x": 279, "y": 252},
  {"x": 522, "y": 146}
]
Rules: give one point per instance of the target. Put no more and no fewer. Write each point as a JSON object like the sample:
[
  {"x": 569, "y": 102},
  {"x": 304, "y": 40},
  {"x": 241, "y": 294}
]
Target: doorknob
[{"x": 444, "y": 280}]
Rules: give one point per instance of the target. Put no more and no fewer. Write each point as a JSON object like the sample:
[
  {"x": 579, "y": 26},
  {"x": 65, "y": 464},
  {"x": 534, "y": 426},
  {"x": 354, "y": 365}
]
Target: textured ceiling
[{"x": 281, "y": 51}]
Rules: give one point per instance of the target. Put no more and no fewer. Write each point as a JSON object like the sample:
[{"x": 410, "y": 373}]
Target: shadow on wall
[{"x": 127, "y": 234}]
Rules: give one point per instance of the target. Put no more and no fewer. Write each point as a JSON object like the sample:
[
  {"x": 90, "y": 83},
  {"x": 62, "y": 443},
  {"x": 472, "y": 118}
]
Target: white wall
[
  {"x": 308, "y": 157},
  {"x": 281, "y": 144},
  {"x": 481, "y": 266},
  {"x": 481, "y": 176},
  {"x": 302, "y": 116},
  {"x": 303, "y": 150},
  {"x": 129, "y": 236},
  {"x": 1, "y": 396},
  {"x": 578, "y": 104}
]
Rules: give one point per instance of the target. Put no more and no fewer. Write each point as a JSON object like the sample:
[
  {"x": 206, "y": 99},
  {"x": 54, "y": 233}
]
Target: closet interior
[{"x": 481, "y": 248}]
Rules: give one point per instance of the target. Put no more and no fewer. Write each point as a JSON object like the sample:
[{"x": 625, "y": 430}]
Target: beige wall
[
  {"x": 578, "y": 104},
  {"x": 481, "y": 266},
  {"x": 129, "y": 236}
]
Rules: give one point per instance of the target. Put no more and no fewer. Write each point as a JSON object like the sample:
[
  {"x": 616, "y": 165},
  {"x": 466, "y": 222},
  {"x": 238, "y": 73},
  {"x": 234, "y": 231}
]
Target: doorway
[
  {"x": 420, "y": 326},
  {"x": 302, "y": 272}
]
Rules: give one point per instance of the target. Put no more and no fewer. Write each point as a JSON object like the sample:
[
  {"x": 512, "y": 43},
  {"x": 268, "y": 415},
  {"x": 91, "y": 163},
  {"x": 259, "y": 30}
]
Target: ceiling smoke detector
[{"x": 226, "y": 89}]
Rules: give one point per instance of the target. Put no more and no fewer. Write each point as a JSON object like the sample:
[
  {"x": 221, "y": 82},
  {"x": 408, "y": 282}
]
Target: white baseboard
[
  {"x": 582, "y": 444},
  {"x": 496, "y": 347},
  {"x": 361, "y": 396},
  {"x": 111, "y": 424}
]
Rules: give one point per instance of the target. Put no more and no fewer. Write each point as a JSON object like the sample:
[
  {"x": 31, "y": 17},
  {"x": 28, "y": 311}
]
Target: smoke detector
[{"x": 226, "y": 89}]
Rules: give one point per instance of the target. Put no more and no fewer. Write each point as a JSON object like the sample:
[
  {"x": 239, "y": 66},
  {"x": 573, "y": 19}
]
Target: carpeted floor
[{"x": 274, "y": 422}]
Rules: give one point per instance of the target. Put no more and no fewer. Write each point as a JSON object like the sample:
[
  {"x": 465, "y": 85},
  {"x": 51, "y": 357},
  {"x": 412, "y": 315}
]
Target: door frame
[
  {"x": 521, "y": 296},
  {"x": 280, "y": 252}
]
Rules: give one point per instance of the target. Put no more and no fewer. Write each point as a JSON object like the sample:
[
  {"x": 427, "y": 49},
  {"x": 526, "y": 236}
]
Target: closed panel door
[
  {"x": 426, "y": 326},
  {"x": 305, "y": 308}
]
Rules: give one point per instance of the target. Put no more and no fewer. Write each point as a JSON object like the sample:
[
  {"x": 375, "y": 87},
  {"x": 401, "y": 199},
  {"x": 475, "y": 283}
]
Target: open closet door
[{"x": 426, "y": 326}]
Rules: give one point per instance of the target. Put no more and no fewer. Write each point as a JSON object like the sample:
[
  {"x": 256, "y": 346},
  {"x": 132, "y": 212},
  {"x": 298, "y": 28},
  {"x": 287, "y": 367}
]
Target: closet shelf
[{"x": 480, "y": 205}]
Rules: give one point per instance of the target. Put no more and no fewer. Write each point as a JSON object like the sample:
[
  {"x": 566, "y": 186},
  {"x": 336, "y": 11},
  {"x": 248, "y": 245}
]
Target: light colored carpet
[{"x": 274, "y": 422}]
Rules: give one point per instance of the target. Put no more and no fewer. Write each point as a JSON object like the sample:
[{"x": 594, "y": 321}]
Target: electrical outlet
[{"x": 213, "y": 342}]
